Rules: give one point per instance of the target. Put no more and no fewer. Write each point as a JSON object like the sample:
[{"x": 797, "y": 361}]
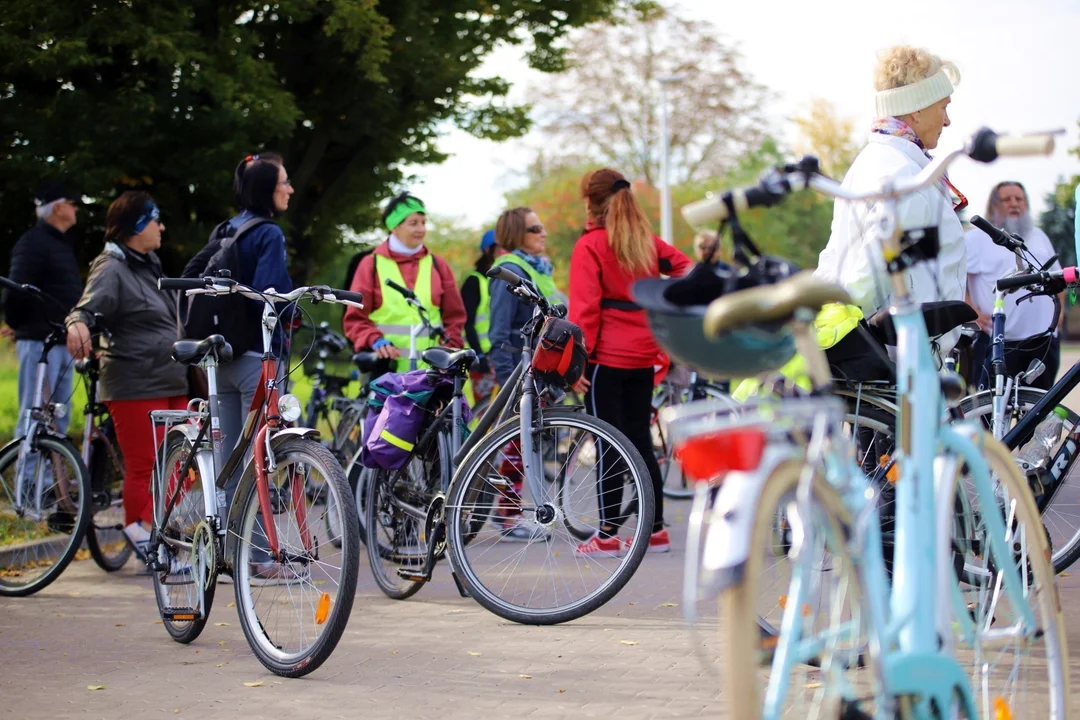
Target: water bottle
[{"x": 1036, "y": 451}]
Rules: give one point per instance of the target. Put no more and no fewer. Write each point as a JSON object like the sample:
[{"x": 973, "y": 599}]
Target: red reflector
[{"x": 708, "y": 456}]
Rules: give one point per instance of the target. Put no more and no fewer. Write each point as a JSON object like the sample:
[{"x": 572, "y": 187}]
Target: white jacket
[{"x": 852, "y": 258}]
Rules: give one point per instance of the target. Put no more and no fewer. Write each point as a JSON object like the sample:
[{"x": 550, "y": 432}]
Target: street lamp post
[{"x": 665, "y": 185}]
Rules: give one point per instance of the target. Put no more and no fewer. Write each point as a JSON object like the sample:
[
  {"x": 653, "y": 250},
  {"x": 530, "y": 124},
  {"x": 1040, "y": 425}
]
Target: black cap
[{"x": 52, "y": 191}]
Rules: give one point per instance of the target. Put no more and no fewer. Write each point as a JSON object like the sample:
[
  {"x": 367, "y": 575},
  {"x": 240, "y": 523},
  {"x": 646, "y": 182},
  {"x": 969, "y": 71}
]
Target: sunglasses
[
  {"x": 958, "y": 200},
  {"x": 535, "y": 229}
]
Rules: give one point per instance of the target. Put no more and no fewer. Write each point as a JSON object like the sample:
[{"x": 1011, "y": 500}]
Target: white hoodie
[{"x": 852, "y": 259}]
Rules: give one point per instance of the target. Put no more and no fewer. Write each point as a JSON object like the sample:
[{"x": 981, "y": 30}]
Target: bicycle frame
[{"x": 35, "y": 420}]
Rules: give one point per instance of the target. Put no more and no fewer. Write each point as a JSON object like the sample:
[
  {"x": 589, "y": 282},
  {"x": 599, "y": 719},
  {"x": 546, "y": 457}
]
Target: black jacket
[
  {"x": 137, "y": 364},
  {"x": 45, "y": 258}
]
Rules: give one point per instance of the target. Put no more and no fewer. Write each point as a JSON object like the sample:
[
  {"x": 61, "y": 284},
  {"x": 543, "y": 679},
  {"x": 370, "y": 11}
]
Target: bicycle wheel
[
  {"x": 186, "y": 587},
  {"x": 396, "y": 506},
  {"x": 540, "y": 579},
  {"x": 42, "y": 527},
  {"x": 105, "y": 536},
  {"x": 814, "y": 581},
  {"x": 294, "y": 608},
  {"x": 1059, "y": 513},
  {"x": 676, "y": 485},
  {"x": 1017, "y": 670}
]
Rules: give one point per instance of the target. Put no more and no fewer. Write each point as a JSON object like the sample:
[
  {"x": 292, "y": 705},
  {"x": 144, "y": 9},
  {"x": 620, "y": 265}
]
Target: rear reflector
[{"x": 711, "y": 455}]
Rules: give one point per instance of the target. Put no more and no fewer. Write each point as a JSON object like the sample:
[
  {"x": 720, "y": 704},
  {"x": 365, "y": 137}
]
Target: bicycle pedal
[
  {"x": 181, "y": 614},
  {"x": 411, "y": 575}
]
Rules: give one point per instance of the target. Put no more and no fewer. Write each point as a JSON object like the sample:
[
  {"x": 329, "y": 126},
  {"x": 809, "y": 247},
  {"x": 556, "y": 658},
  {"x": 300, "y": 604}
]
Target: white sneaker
[
  {"x": 523, "y": 530},
  {"x": 139, "y": 539}
]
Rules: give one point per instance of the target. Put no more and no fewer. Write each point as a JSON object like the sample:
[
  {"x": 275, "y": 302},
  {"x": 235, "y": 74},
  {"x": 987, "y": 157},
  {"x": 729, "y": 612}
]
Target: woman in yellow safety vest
[
  {"x": 385, "y": 323},
  {"x": 477, "y": 299}
]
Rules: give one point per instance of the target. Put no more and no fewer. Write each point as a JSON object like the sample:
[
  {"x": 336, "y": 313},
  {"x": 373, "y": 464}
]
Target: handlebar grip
[
  {"x": 403, "y": 290},
  {"x": 351, "y": 296},
  {"x": 1023, "y": 145},
  {"x": 997, "y": 235},
  {"x": 181, "y": 283},
  {"x": 500, "y": 273},
  {"x": 710, "y": 209},
  {"x": 10, "y": 284},
  {"x": 1019, "y": 281}
]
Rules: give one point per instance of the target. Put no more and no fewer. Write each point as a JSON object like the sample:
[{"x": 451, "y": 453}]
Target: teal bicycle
[{"x": 791, "y": 534}]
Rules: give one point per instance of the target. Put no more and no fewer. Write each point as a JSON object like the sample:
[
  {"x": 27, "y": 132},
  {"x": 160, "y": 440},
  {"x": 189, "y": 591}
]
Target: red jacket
[
  {"x": 444, "y": 294},
  {"x": 615, "y": 338}
]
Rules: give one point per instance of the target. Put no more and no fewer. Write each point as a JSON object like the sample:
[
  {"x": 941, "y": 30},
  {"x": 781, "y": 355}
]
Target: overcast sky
[{"x": 1016, "y": 60}]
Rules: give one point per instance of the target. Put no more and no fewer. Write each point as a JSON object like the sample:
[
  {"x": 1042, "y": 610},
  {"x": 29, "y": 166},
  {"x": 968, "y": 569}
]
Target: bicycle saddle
[
  {"x": 940, "y": 317},
  {"x": 367, "y": 361},
  {"x": 191, "y": 352},
  {"x": 443, "y": 359}
]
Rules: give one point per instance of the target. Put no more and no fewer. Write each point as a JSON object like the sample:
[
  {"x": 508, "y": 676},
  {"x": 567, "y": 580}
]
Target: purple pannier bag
[{"x": 391, "y": 433}]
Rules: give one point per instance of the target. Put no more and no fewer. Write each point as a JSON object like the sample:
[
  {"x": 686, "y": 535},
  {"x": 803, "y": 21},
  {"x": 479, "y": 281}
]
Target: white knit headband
[{"x": 917, "y": 96}]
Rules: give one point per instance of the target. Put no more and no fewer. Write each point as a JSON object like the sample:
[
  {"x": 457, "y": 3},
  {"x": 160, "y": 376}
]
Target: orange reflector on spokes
[
  {"x": 807, "y": 611},
  {"x": 1002, "y": 711},
  {"x": 323, "y": 610},
  {"x": 707, "y": 456}
]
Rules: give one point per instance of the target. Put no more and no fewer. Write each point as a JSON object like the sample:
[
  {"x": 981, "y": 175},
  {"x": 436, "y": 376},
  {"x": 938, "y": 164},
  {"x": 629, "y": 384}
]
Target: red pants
[{"x": 133, "y": 430}]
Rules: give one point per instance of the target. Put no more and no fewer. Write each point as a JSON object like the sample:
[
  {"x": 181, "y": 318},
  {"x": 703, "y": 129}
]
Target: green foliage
[
  {"x": 1058, "y": 220},
  {"x": 170, "y": 95}
]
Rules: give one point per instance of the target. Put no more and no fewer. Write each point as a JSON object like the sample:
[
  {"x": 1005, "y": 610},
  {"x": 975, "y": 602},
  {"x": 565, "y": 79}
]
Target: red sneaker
[
  {"x": 600, "y": 547},
  {"x": 659, "y": 542}
]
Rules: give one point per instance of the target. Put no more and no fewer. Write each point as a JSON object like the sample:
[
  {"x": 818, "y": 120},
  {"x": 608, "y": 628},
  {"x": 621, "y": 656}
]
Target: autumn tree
[
  {"x": 169, "y": 95},
  {"x": 607, "y": 104},
  {"x": 822, "y": 132}
]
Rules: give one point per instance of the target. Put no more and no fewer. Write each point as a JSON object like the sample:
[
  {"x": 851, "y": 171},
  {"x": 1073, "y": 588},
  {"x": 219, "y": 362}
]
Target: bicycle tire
[
  {"x": 182, "y": 631},
  {"x": 1040, "y": 574},
  {"x": 459, "y": 522},
  {"x": 744, "y": 639},
  {"x": 81, "y": 519},
  {"x": 395, "y": 588},
  {"x": 106, "y": 540},
  {"x": 271, "y": 651},
  {"x": 1064, "y": 554}
]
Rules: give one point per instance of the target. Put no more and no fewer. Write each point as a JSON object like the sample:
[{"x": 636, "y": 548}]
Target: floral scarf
[
  {"x": 539, "y": 263},
  {"x": 896, "y": 128}
]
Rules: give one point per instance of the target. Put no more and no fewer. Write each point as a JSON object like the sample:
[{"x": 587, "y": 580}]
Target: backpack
[
  {"x": 235, "y": 317},
  {"x": 559, "y": 357}
]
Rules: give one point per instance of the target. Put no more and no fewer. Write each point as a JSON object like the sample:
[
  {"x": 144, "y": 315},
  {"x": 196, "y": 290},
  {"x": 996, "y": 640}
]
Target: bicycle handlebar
[
  {"x": 984, "y": 146},
  {"x": 12, "y": 285},
  {"x": 223, "y": 286},
  {"x": 406, "y": 292},
  {"x": 1000, "y": 237},
  {"x": 182, "y": 283},
  {"x": 1066, "y": 276}
]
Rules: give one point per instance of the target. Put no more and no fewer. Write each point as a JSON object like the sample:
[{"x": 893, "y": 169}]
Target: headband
[
  {"x": 916, "y": 96},
  {"x": 149, "y": 215},
  {"x": 403, "y": 209}
]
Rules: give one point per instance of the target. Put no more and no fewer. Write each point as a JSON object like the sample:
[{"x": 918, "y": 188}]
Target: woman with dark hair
[
  {"x": 137, "y": 371},
  {"x": 617, "y": 249},
  {"x": 384, "y": 323}
]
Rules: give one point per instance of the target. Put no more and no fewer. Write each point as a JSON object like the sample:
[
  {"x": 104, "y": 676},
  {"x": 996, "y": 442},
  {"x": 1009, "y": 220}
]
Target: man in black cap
[{"x": 45, "y": 258}]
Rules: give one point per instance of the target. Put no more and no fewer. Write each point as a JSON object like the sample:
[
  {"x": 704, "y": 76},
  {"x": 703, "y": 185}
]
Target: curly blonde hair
[{"x": 904, "y": 65}]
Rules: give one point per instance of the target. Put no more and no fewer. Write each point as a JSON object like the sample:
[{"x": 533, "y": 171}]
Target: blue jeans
[{"x": 58, "y": 379}]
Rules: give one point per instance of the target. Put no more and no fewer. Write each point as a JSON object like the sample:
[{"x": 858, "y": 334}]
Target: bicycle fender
[
  {"x": 727, "y": 542},
  {"x": 248, "y": 479}
]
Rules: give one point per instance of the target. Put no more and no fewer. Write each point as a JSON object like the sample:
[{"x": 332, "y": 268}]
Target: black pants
[
  {"x": 1018, "y": 355},
  {"x": 623, "y": 398}
]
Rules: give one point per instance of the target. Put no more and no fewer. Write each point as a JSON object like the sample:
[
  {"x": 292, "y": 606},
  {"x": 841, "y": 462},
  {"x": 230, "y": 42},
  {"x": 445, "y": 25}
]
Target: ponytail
[{"x": 612, "y": 205}]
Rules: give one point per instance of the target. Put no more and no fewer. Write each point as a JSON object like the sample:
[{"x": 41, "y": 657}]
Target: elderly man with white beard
[{"x": 1026, "y": 323}]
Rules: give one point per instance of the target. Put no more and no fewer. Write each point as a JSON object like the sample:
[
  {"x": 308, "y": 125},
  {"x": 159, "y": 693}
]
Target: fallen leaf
[
  {"x": 525, "y": 677},
  {"x": 629, "y": 642},
  {"x": 257, "y": 683},
  {"x": 393, "y": 652},
  {"x": 1063, "y": 574},
  {"x": 811, "y": 686},
  {"x": 232, "y": 604},
  {"x": 562, "y": 691},
  {"x": 455, "y": 611},
  {"x": 95, "y": 687},
  {"x": 221, "y": 664},
  {"x": 221, "y": 642},
  {"x": 121, "y": 625},
  {"x": 222, "y": 625},
  {"x": 630, "y": 603},
  {"x": 475, "y": 654},
  {"x": 668, "y": 604},
  {"x": 277, "y": 682},
  {"x": 158, "y": 622},
  {"x": 176, "y": 711}
]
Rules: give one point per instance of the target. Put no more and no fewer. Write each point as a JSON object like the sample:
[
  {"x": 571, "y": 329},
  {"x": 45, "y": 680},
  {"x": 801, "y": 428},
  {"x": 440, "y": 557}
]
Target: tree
[
  {"x": 1058, "y": 221},
  {"x": 607, "y": 104},
  {"x": 829, "y": 137},
  {"x": 169, "y": 96}
]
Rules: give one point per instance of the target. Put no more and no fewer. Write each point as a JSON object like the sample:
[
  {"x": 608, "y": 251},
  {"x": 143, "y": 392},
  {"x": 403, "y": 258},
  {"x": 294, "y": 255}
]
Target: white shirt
[
  {"x": 988, "y": 263},
  {"x": 852, "y": 257}
]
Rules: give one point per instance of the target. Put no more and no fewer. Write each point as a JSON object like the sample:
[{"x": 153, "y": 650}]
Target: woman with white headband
[{"x": 914, "y": 88}]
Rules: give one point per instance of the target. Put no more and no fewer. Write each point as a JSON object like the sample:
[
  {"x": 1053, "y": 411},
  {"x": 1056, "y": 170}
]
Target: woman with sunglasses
[
  {"x": 137, "y": 371},
  {"x": 914, "y": 89}
]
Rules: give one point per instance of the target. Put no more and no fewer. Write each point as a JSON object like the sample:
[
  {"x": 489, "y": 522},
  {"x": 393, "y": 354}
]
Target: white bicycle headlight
[
  {"x": 59, "y": 411},
  {"x": 289, "y": 408}
]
